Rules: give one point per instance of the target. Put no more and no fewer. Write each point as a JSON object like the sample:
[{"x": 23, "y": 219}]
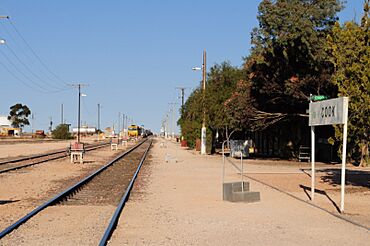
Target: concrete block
[
  {"x": 246, "y": 196},
  {"x": 233, "y": 192},
  {"x": 169, "y": 158}
]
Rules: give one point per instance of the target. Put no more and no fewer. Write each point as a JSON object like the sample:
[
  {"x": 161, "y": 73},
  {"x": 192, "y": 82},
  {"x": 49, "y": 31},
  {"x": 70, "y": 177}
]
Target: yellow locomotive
[{"x": 134, "y": 131}]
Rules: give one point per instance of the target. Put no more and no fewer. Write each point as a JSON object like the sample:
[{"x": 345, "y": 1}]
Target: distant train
[
  {"x": 134, "y": 131},
  {"x": 147, "y": 133}
]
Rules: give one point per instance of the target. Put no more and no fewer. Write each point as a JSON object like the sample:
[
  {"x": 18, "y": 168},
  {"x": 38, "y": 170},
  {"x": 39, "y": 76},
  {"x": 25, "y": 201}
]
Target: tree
[
  {"x": 18, "y": 115},
  {"x": 61, "y": 132},
  {"x": 240, "y": 107},
  {"x": 221, "y": 82},
  {"x": 191, "y": 117},
  {"x": 288, "y": 60},
  {"x": 350, "y": 49}
]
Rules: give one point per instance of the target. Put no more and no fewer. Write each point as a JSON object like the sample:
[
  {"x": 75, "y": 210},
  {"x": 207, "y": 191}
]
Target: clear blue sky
[{"x": 132, "y": 54}]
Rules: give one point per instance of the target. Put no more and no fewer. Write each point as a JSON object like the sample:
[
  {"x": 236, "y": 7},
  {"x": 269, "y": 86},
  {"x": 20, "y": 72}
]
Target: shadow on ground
[
  {"x": 357, "y": 178},
  {"x": 307, "y": 191},
  {"x": 2, "y": 202}
]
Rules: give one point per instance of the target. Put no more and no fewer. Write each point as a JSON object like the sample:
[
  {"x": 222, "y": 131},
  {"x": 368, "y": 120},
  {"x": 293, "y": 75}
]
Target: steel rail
[
  {"x": 64, "y": 193},
  {"x": 31, "y": 157},
  {"x": 41, "y": 155},
  {"x": 50, "y": 159},
  {"x": 114, "y": 220}
]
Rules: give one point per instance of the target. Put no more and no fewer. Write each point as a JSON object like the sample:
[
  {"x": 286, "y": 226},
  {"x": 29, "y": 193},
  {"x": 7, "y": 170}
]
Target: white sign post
[{"x": 329, "y": 112}]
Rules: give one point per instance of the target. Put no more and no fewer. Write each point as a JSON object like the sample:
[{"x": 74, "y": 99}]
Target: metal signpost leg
[
  {"x": 223, "y": 168},
  {"x": 343, "y": 178},
  {"x": 241, "y": 160},
  {"x": 312, "y": 163},
  {"x": 223, "y": 162},
  {"x": 328, "y": 112}
]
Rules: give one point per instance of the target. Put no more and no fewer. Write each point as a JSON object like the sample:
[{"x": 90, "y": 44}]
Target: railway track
[
  {"x": 108, "y": 187},
  {"x": 18, "y": 163}
]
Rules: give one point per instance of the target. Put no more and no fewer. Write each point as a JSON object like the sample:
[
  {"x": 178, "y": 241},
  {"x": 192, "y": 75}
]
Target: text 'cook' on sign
[{"x": 328, "y": 112}]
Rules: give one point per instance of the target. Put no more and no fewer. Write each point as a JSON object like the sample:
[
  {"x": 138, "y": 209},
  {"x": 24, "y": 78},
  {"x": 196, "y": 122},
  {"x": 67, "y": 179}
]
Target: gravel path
[{"x": 182, "y": 205}]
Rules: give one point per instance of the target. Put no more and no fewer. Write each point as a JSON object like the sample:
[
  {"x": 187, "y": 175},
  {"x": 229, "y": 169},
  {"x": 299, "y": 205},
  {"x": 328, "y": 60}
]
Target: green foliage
[
  {"x": 191, "y": 118},
  {"x": 221, "y": 82},
  {"x": 350, "y": 49},
  {"x": 298, "y": 50},
  {"x": 288, "y": 60},
  {"x": 61, "y": 132},
  {"x": 18, "y": 115},
  {"x": 287, "y": 64},
  {"x": 239, "y": 106}
]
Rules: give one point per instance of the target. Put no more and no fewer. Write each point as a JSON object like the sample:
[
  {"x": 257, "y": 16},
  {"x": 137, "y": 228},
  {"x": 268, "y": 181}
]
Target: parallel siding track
[
  {"x": 111, "y": 184},
  {"x": 18, "y": 163}
]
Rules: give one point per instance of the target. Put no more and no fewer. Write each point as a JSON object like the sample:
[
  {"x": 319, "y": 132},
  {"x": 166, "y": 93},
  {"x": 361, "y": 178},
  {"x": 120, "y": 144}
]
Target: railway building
[{"x": 6, "y": 128}]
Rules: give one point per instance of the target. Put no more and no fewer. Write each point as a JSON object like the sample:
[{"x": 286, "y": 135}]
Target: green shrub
[{"x": 61, "y": 132}]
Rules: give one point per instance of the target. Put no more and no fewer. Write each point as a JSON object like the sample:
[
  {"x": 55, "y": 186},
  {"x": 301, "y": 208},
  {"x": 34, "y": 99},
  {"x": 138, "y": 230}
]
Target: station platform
[{"x": 178, "y": 200}]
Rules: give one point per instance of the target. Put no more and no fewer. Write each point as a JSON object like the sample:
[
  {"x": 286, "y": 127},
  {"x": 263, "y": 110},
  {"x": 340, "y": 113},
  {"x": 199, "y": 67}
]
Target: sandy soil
[
  {"x": 25, "y": 148},
  {"x": 23, "y": 190},
  {"x": 182, "y": 205}
]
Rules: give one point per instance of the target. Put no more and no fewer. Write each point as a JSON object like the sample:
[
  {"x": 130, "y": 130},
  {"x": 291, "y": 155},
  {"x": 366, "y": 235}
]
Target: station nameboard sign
[{"x": 328, "y": 112}]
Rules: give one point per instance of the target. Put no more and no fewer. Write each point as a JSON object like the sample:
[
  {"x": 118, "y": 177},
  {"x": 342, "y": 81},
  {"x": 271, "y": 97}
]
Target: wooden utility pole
[
  {"x": 79, "y": 85},
  {"x": 61, "y": 114},
  {"x": 173, "y": 118},
  {"x": 203, "y": 135},
  {"x": 123, "y": 123},
  {"x": 98, "y": 116},
  {"x": 182, "y": 89}
]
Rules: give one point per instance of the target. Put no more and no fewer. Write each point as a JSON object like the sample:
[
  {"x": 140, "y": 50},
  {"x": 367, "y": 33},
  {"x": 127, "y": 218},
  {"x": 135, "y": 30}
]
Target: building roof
[{"x": 4, "y": 121}]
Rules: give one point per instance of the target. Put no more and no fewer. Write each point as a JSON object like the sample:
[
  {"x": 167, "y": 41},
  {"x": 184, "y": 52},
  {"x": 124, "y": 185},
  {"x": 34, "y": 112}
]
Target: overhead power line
[
  {"x": 30, "y": 70},
  {"x": 21, "y": 48},
  {"x": 19, "y": 79},
  {"x": 20, "y": 69},
  {"x": 22, "y": 73},
  {"x": 35, "y": 54}
]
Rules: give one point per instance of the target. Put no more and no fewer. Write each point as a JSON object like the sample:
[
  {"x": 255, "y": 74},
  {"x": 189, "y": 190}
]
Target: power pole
[
  {"x": 203, "y": 136},
  {"x": 123, "y": 123},
  {"x": 166, "y": 127},
  {"x": 119, "y": 123},
  {"x": 204, "y": 77},
  {"x": 182, "y": 89},
  {"x": 79, "y": 85},
  {"x": 51, "y": 124},
  {"x": 33, "y": 116},
  {"x": 61, "y": 114},
  {"x": 173, "y": 118},
  {"x": 98, "y": 116}
]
